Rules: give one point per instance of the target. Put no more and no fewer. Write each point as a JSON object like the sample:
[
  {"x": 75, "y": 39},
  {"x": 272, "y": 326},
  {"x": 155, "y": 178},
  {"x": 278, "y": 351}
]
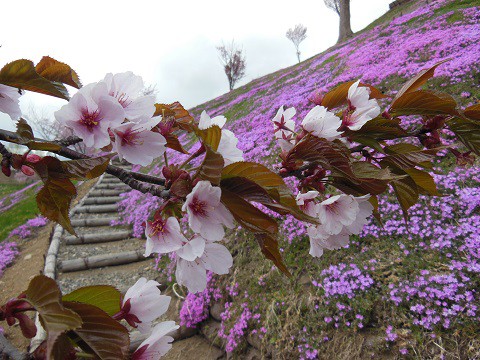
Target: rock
[
  {"x": 183, "y": 332},
  {"x": 215, "y": 310},
  {"x": 195, "y": 347},
  {"x": 253, "y": 354},
  {"x": 254, "y": 340},
  {"x": 28, "y": 257},
  {"x": 210, "y": 329}
]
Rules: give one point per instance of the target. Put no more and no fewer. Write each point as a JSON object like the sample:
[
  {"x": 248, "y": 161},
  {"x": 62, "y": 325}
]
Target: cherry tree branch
[{"x": 141, "y": 182}]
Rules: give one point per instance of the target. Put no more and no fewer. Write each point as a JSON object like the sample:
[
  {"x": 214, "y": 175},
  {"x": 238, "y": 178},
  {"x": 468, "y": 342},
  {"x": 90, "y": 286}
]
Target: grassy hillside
[{"x": 404, "y": 290}]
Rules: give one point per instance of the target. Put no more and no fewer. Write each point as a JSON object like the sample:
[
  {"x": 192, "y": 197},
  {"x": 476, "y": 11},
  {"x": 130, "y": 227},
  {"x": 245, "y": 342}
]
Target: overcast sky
[{"x": 169, "y": 43}]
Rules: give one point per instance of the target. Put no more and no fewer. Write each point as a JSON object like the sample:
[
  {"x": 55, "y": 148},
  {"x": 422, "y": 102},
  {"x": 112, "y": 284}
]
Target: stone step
[
  {"x": 109, "y": 208},
  {"x": 97, "y": 238},
  {"x": 112, "y": 180},
  {"x": 111, "y": 186},
  {"x": 91, "y": 222},
  {"x": 98, "y": 261},
  {"x": 107, "y": 192},
  {"x": 102, "y": 200}
]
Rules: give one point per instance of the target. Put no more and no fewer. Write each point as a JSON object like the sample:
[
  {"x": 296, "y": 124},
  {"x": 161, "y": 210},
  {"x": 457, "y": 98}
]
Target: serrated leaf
[
  {"x": 57, "y": 71},
  {"x": 21, "y": 74},
  {"x": 211, "y": 168},
  {"x": 424, "y": 181},
  {"x": 269, "y": 246},
  {"x": 99, "y": 333},
  {"x": 418, "y": 80},
  {"x": 210, "y": 136},
  {"x": 174, "y": 144},
  {"x": 177, "y": 112},
  {"x": 467, "y": 131},
  {"x": 24, "y": 130},
  {"x": 54, "y": 200},
  {"x": 85, "y": 169},
  {"x": 45, "y": 296},
  {"x": 406, "y": 156},
  {"x": 104, "y": 297},
  {"x": 338, "y": 96},
  {"x": 407, "y": 194},
  {"x": 423, "y": 102}
]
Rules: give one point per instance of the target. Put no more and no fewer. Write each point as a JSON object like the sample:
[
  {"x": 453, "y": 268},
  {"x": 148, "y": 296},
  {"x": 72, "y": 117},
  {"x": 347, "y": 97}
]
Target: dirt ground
[{"x": 29, "y": 263}]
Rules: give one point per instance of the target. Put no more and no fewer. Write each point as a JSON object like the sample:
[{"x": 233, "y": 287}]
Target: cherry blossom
[
  {"x": 306, "y": 202},
  {"x": 163, "y": 236},
  {"x": 337, "y": 212},
  {"x": 157, "y": 344},
  {"x": 198, "y": 256},
  {"x": 136, "y": 143},
  {"x": 206, "y": 214},
  {"x": 144, "y": 303},
  {"x": 322, "y": 123},
  {"x": 364, "y": 109},
  {"x": 90, "y": 113},
  {"x": 365, "y": 209},
  {"x": 228, "y": 142},
  {"x": 284, "y": 128},
  {"x": 9, "y": 101},
  {"x": 127, "y": 89}
]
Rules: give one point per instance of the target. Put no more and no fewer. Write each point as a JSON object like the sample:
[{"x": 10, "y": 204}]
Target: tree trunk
[{"x": 345, "y": 28}]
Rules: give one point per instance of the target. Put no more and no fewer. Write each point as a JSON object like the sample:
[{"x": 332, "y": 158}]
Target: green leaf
[
  {"x": 104, "y": 297},
  {"x": 45, "y": 296},
  {"x": 21, "y": 74},
  {"x": 468, "y": 131},
  {"x": 418, "y": 80},
  {"x": 99, "y": 333},
  {"x": 423, "y": 102},
  {"x": 406, "y": 156},
  {"x": 257, "y": 173},
  {"x": 54, "y": 200},
  {"x": 57, "y": 71},
  {"x": 85, "y": 169},
  {"x": 211, "y": 168},
  {"x": 338, "y": 96},
  {"x": 424, "y": 181}
]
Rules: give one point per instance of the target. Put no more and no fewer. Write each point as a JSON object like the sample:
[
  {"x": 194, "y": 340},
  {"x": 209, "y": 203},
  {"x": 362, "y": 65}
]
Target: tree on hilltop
[
  {"x": 234, "y": 62},
  {"x": 342, "y": 8},
  {"x": 297, "y": 35}
]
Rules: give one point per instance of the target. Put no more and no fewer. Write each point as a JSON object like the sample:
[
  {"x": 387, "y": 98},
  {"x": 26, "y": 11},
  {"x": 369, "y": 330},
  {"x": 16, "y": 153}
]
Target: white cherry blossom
[
  {"x": 157, "y": 344},
  {"x": 206, "y": 214},
  {"x": 337, "y": 212},
  {"x": 306, "y": 202},
  {"x": 90, "y": 113},
  {"x": 145, "y": 302},
  {"x": 322, "y": 123},
  {"x": 284, "y": 128},
  {"x": 135, "y": 142},
  {"x": 365, "y": 209},
  {"x": 365, "y": 109},
  {"x": 127, "y": 89},
  {"x": 9, "y": 101},
  {"x": 205, "y": 121},
  {"x": 163, "y": 236}
]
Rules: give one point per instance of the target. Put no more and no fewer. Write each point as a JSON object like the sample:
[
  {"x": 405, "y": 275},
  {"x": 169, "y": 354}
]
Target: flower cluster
[
  {"x": 25, "y": 230},
  {"x": 8, "y": 252}
]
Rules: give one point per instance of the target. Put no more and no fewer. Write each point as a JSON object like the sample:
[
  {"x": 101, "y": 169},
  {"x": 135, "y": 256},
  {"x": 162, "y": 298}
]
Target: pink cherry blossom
[
  {"x": 284, "y": 128},
  {"x": 365, "y": 209},
  {"x": 9, "y": 102},
  {"x": 135, "y": 142},
  {"x": 127, "y": 89},
  {"x": 144, "y": 303},
  {"x": 364, "y": 109},
  {"x": 337, "y": 212},
  {"x": 206, "y": 214},
  {"x": 322, "y": 123},
  {"x": 163, "y": 236},
  {"x": 90, "y": 113},
  {"x": 157, "y": 344},
  {"x": 306, "y": 202},
  {"x": 198, "y": 256}
]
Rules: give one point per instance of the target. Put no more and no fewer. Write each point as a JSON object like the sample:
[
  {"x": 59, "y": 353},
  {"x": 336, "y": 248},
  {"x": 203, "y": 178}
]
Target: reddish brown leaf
[
  {"x": 210, "y": 136},
  {"x": 54, "y": 70},
  {"x": 423, "y": 102},
  {"x": 21, "y": 74},
  {"x": 473, "y": 112},
  {"x": 338, "y": 96},
  {"x": 176, "y": 111},
  {"x": 407, "y": 194},
  {"x": 379, "y": 129},
  {"x": 174, "y": 144},
  {"x": 99, "y": 333},
  {"x": 424, "y": 181},
  {"x": 85, "y": 169},
  {"x": 467, "y": 131},
  {"x": 211, "y": 168},
  {"x": 406, "y": 156},
  {"x": 24, "y": 130},
  {"x": 269, "y": 246}
]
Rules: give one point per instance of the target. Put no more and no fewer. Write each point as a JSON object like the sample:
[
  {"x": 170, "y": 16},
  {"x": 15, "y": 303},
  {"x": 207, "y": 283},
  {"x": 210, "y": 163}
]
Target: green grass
[
  {"x": 9, "y": 188},
  {"x": 26, "y": 209}
]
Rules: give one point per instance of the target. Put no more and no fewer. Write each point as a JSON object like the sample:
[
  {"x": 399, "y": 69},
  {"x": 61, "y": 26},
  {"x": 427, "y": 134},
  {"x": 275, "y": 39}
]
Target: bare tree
[
  {"x": 297, "y": 35},
  {"x": 233, "y": 61},
  {"x": 342, "y": 8}
]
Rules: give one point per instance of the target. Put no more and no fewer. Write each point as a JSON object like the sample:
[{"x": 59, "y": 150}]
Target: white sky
[{"x": 170, "y": 44}]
